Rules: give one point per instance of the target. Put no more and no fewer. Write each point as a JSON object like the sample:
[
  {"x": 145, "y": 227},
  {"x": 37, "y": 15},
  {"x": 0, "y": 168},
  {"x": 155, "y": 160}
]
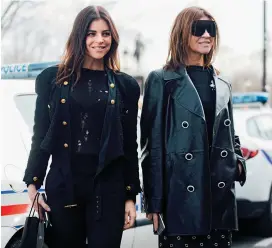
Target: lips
[{"x": 99, "y": 47}]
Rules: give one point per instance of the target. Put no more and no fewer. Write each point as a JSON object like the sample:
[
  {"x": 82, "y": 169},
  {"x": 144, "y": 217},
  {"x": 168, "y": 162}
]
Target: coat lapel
[
  {"x": 185, "y": 93},
  {"x": 107, "y": 125},
  {"x": 222, "y": 93}
]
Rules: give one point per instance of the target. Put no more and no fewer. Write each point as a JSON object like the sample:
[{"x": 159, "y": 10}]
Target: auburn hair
[{"x": 180, "y": 37}]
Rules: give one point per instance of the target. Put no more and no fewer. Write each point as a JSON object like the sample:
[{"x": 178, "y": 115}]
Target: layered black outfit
[
  {"x": 203, "y": 81},
  {"x": 89, "y": 128},
  {"x": 190, "y": 157}
]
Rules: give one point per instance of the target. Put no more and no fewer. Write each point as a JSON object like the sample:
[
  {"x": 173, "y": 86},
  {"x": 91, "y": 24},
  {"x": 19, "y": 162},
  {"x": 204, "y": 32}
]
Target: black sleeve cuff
[
  {"x": 241, "y": 177},
  {"x": 154, "y": 205},
  {"x": 33, "y": 180},
  {"x": 131, "y": 197}
]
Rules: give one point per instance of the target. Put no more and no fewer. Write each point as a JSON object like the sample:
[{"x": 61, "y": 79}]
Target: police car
[
  {"x": 253, "y": 123},
  {"x": 17, "y": 89}
]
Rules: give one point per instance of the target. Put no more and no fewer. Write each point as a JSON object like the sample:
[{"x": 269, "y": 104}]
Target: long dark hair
[
  {"x": 180, "y": 34},
  {"x": 73, "y": 58}
]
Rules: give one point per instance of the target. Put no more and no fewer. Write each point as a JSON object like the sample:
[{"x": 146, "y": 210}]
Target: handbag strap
[{"x": 32, "y": 207}]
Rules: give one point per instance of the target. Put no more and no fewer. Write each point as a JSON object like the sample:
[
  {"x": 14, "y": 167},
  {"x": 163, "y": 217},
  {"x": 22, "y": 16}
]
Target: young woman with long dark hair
[{"x": 85, "y": 118}]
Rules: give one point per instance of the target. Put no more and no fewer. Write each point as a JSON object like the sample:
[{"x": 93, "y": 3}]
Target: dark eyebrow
[{"x": 96, "y": 31}]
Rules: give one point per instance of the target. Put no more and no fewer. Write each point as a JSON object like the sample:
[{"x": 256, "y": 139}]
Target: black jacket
[
  {"x": 194, "y": 195},
  {"x": 52, "y": 133}
]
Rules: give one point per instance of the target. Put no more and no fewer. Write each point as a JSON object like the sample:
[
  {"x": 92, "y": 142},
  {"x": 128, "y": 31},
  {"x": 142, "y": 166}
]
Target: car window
[
  {"x": 252, "y": 128},
  {"x": 239, "y": 122},
  {"x": 26, "y": 106},
  {"x": 264, "y": 123}
]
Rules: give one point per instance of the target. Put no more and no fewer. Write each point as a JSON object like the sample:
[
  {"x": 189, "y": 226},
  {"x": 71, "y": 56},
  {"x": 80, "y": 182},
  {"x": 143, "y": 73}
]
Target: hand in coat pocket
[{"x": 240, "y": 168}]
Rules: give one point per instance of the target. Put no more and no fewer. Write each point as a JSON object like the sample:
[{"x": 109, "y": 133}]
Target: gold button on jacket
[
  {"x": 112, "y": 101},
  {"x": 65, "y": 83},
  {"x": 112, "y": 85},
  {"x": 64, "y": 123},
  {"x": 35, "y": 179},
  {"x": 63, "y": 101},
  {"x": 128, "y": 188},
  {"x": 65, "y": 145}
]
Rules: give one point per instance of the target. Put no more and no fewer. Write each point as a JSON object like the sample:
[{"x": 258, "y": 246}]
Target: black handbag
[{"x": 33, "y": 233}]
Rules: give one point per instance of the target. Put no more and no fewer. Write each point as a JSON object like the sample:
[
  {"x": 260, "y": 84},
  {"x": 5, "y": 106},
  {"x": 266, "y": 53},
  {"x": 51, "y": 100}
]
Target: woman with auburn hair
[
  {"x": 191, "y": 154},
  {"x": 85, "y": 118}
]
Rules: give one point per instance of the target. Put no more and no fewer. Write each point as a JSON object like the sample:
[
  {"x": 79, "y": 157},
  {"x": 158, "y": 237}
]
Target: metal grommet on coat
[
  {"x": 194, "y": 237},
  {"x": 201, "y": 244},
  {"x": 178, "y": 237},
  {"x": 171, "y": 245},
  {"x": 221, "y": 185},
  {"x": 188, "y": 156},
  {"x": 185, "y": 124},
  {"x": 227, "y": 122},
  {"x": 224, "y": 153},
  {"x": 191, "y": 188}
]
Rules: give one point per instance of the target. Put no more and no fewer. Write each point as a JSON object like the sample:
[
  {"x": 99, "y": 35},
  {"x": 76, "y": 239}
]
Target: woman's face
[
  {"x": 99, "y": 39},
  {"x": 202, "y": 44}
]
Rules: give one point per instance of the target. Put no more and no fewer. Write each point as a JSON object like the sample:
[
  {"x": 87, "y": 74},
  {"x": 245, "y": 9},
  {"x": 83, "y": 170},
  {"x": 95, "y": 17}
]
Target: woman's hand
[
  {"x": 155, "y": 218},
  {"x": 240, "y": 168},
  {"x": 31, "y": 194},
  {"x": 130, "y": 214}
]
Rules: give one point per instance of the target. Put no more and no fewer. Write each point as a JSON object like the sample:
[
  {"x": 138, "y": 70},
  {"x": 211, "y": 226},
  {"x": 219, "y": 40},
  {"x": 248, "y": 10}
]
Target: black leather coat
[{"x": 194, "y": 194}]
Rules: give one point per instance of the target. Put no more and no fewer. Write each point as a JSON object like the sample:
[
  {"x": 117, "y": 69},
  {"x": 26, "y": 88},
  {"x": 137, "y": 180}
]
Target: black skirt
[{"x": 217, "y": 238}]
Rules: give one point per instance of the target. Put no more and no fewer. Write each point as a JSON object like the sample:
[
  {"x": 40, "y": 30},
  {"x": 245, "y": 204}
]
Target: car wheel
[
  {"x": 265, "y": 222},
  {"x": 16, "y": 243}
]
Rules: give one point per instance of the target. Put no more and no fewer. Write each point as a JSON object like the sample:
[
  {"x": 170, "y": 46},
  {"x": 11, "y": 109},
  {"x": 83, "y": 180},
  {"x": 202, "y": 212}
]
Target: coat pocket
[{"x": 223, "y": 167}]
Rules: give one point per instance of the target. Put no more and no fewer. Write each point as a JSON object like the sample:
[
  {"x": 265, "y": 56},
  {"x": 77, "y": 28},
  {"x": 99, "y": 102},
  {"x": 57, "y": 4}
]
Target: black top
[
  {"x": 203, "y": 81},
  {"x": 88, "y": 107}
]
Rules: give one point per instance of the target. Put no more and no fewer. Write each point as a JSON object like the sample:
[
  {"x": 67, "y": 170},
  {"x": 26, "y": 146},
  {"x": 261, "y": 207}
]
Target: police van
[{"x": 17, "y": 89}]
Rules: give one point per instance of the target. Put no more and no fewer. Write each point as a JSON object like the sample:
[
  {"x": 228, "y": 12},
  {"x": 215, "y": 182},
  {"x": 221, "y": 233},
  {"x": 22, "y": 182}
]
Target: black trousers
[{"x": 72, "y": 226}]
